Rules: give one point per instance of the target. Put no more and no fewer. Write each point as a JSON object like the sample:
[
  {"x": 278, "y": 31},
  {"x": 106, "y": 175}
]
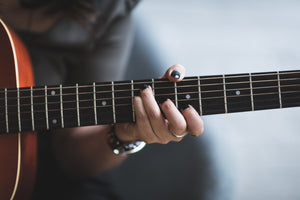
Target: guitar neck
[{"x": 49, "y": 107}]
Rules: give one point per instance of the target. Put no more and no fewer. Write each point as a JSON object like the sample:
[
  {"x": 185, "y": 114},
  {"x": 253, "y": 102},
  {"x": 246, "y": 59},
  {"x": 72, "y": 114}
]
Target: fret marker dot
[
  {"x": 187, "y": 96},
  {"x": 237, "y": 92},
  {"x": 53, "y": 92},
  {"x": 103, "y": 103},
  {"x": 54, "y": 121}
]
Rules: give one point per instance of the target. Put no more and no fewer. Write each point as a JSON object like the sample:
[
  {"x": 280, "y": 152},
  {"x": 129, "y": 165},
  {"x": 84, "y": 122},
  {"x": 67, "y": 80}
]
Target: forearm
[{"x": 82, "y": 152}]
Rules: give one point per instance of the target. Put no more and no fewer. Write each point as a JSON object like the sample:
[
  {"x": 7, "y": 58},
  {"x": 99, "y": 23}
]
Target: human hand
[{"x": 151, "y": 126}]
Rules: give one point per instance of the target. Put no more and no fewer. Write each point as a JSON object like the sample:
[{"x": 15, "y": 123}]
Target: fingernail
[
  {"x": 167, "y": 99},
  {"x": 175, "y": 74},
  {"x": 162, "y": 101},
  {"x": 145, "y": 86},
  {"x": 185, "y": 106}
]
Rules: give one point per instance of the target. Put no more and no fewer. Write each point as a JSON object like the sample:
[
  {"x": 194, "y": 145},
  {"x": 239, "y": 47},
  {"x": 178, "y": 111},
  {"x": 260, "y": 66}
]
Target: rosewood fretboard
[{"x": 49, "y": 107}]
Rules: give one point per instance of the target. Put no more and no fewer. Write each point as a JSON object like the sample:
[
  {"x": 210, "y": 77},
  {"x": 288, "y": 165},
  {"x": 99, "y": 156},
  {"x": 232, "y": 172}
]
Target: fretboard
[{"x": 50, "y": 107}]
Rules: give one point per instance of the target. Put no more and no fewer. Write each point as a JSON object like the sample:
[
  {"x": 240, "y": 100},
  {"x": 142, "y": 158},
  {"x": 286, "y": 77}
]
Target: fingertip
[
  {"x": 175, "y": 73},
  {"x": 194, "y": 122},
  {"x": 137, "y": 99}
]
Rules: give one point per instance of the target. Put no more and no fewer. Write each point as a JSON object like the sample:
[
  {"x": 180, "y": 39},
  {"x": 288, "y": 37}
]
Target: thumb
[{"x": 175, "y": 73}]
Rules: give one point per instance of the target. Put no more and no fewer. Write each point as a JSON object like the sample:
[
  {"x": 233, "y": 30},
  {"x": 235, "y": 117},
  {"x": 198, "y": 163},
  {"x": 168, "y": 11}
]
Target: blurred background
[{"x": 255, "y": 155}]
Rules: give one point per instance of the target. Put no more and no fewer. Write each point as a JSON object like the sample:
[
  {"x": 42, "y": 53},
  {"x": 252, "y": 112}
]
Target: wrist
[{"x": 121, "y": 147}]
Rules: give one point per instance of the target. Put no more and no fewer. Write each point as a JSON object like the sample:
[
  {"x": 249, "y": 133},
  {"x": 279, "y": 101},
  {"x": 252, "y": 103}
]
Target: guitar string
[
  {"x": 178, "y": 87},
  {"x": 212, "y": 104},
  {"x": 211, "y": 111},
  {"x": 149, "y": 82},
  {"x": 276, "y": 99},
  {"x": 158, "y": 95},
  {"x": 168, "y": 82},
  {"x": 182, "y": 100}
]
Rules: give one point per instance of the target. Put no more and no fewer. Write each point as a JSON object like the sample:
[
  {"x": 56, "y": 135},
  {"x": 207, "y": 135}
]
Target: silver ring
[{"x": 178, "y": 136}]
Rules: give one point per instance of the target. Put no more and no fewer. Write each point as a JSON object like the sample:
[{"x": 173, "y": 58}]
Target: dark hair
[{"x": 79, "y": 10}]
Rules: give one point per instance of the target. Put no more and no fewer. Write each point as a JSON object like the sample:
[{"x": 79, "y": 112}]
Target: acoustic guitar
[{"x": 25, "y": 109}]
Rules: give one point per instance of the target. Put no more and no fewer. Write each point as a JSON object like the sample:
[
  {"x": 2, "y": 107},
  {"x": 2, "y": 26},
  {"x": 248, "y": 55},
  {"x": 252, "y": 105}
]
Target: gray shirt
[{"x": 68, "y": 53}]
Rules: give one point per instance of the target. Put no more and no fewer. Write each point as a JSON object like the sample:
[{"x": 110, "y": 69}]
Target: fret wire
[
  {"x": 61, "y": 107},
  {"x": 46, "y": 108},
  {"x": 113, "y": 101},
  {"x": 31, "y": 108},
  {"x": 95, "y": 103},
  {"x": 279, "y": 90},
  {"x": 273, "y": 80},
  {"x": 77, "y": 105},
  {"x": 251, "y": 92},
  {"x": 199, "y": 94},
  {"x": 19, "y": 113},
  {"x": 6, "y": 111},
  {"x": 225, "y": 98},
  {"x": 153, "y": 87},
  {"x": 262, "y": 100},
  {"x": 175, "y": 89},
  {"x": 132, "y": 97}
]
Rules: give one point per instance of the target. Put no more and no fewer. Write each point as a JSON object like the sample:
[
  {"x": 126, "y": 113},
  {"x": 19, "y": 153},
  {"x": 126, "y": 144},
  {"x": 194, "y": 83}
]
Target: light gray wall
[{"x": 260, "y": 150}]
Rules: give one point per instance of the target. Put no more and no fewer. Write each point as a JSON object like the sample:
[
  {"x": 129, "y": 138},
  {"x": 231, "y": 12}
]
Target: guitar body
[{"x": 18, "y": 152}]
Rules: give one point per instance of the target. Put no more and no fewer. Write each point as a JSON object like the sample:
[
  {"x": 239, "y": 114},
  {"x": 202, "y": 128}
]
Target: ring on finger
[{"x": 178, "y": 136}]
